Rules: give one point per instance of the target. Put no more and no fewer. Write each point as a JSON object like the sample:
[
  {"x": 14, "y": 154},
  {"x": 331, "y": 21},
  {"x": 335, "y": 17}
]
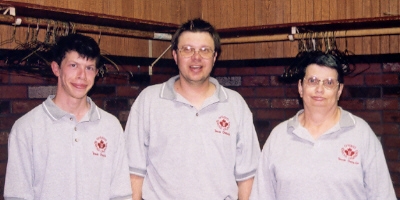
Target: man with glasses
[{"x": 191, "y": 138}]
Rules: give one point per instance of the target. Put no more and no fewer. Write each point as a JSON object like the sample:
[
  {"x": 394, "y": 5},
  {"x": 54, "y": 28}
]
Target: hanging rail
[
  {"x": 283, "y": 37},
  {"x": 86, "y": 28}
]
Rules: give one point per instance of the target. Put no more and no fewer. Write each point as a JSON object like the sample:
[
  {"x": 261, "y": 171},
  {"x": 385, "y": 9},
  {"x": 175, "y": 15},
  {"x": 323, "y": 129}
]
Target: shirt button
[
  {"x": 76, "y": 140},
  {"x": 197, "y": 114},
  {"x": 75, "y": 129},
  {"x": 71, "y": 119}
]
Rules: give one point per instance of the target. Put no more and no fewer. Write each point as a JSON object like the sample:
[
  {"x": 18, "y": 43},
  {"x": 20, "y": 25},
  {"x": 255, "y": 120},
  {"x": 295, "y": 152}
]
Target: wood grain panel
[{"x": 394, "y": 39}]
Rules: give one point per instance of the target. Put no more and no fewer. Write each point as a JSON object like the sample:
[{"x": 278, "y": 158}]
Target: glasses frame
[
  {"x": 307, "y": 81},
  {"x": 193, "y": 50}
]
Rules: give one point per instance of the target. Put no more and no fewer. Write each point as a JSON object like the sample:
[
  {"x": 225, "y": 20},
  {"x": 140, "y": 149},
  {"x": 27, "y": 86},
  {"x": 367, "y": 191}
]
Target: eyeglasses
[
  {"x": 204, "y": 52},
  {"x": 329, "y": 83}
]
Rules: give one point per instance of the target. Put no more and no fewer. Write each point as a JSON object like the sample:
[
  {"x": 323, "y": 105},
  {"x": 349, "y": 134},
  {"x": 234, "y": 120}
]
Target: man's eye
[
  {"x": 329, "y": 82},
  {"x": 312, "y": 80},
  {"x": 205, "y": 50},
  {"x": 187, "y": 49}
]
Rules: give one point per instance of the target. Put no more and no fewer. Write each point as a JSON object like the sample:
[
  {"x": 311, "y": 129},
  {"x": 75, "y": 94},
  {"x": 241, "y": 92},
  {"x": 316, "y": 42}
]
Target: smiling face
[
  {"x": 194, "y": 69},
  {"x": 76, "y": 76},
  {"x": 319, "y": 96}
]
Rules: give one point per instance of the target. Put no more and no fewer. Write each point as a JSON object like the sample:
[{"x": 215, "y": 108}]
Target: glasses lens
[
  {"x": 330, "y": 83},
  {"x": 313, "y": 81},
  {"x": 327, "y": 83},
  {"x": 188, "y": 51},
  {"x": 206, "y": 52}
]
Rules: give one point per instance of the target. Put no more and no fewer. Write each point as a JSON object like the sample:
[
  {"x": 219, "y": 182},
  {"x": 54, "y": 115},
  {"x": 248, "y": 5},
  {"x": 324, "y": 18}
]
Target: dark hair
[
  {"x": 197, "y": 25},
  {"x": 297, "y": 70},
  {"x": 325, "y": 60},
  {"x": 85, "y": 46}
]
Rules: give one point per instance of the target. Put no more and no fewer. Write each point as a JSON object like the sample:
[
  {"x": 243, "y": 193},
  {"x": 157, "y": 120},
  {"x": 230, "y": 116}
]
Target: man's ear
[
  {"x": 175, "y": 56},
  {"x": 55, "y": 68}
]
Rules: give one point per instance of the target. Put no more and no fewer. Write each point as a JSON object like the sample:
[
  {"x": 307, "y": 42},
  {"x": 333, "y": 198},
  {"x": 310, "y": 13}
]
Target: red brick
[
  {"x": 6, "y": 122},
  {"x": 391, "y": 116},
  {"x": 4, "y": 137},
  {"x": 369, "y": 116},
  {"x": 159, "y": 78},
  {"x": 113, "y": 79},
  {"x": 365, "y": 68},
  {"x": 98, "y": 102},
  {"x": 394, "y": 166},
  {"x": 13, "y": 92},
  {"x": 245, "y": 91},
  {"x": 292, "y": 92},
  {"x": 392, "y": 141},
  {"x": 127, "y": 91},
  {"x": 385, "y": 79},
  {"x": 240, "y": 71},
  {"x": 392, "y": 154},
  {"x": 3, "y": 152},
  {"x": 276, "y": 82},
  {"x": 270, "y": 92},
  {"x": 353, "y": 104},
  {"x": 3, "y": 167},
  {"x": 397, "y": 190},
  {"x": 357, "y": 80},
  {"x": 220, "y": 71},
  {"x": 255, "y": 81},
  {"x": 391, "y": 67},
  {"x": 382, "y": 104},
  {"x": 31, "y": 79},
  {"x": 271, "y": 114},
  {"x": 284, "y": 103},
  {"x": 116, "y": 105},
  {"x": 258, "y": 103},
  {"x": 275, "y": 70},
  {"x": 391, "y": 128},
  {"x": 291, "y": 112},
  {"x": 377, "y": 128},
  {"x": 22, "y": 107},
  {"x": 4, "y": 77}
]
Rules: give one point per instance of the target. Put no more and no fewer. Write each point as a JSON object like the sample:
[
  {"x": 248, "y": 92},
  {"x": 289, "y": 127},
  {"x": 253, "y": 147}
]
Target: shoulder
[
  {"x": 107, "y": 117},
  {"x": 31, "y": 116}
]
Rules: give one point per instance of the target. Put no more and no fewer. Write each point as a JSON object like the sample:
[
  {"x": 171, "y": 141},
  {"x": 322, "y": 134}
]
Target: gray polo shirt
[
  {"x": 53, "y": 156},
  {"x": 185, "y": 153},
  {"x": 346, "y": 162}
]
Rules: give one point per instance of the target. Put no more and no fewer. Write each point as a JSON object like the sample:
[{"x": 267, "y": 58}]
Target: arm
[
  {"x": 19, "y": 173},
  {"x": 245, "y": 188},
  {"x": 137, "y": 183}
]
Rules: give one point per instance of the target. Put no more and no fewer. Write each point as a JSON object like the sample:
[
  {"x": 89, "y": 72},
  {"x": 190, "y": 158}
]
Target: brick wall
[{"x": 373, "y": 95}]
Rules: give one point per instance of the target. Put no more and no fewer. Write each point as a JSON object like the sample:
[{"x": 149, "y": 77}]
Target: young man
[
  {"x": 67, "y": 147},
  {"x": 191, "y": 138}
]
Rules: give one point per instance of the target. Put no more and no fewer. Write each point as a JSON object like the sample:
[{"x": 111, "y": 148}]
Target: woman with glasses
[{"x": 324, "y": 151}]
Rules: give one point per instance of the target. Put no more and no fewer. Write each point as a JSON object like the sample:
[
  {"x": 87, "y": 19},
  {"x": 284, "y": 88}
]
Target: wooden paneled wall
[
  {"x": 237, "y": 13},
  {"x": 232, "y": 14}
]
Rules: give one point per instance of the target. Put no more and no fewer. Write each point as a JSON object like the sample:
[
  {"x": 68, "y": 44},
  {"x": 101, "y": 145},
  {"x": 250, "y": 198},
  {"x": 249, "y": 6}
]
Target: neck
[
  {"x": 196, "y": 94},
  {"x": 317, "y": 121},
  {"x": 77, "y": 107}
]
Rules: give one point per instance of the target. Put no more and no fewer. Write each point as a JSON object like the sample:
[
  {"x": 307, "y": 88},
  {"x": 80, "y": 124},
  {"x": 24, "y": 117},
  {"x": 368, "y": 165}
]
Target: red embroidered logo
[
  {"x": 101, "y": 146},
  {"x": 223, "y": 124},
  {"x": 349, "y": 153}
]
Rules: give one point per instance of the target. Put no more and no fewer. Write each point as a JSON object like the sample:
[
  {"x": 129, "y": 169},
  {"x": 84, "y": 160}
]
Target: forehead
[
  {"x": 74, "y": 56},
  {"x": 320, "y": 71},
  {"x": 195, "y": 39}
]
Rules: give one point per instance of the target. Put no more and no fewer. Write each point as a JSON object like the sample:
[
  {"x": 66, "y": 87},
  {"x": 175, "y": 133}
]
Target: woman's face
[{"x": 320, "y": 95}]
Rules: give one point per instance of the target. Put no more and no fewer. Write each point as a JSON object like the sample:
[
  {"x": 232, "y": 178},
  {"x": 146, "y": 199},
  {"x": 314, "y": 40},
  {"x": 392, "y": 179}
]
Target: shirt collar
[
  {"x": 168, "y": 92},
  {"x": 346, "y": 120},
  {"x": 57, "y": 113}
]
